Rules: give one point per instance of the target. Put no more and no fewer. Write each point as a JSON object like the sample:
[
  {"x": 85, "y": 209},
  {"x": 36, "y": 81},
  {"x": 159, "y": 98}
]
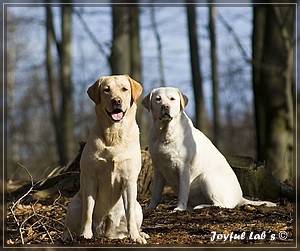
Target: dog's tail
[{"x": 257, "y": 203}]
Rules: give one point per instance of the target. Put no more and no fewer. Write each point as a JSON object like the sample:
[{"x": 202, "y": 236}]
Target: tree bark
[
  {"x": 125, "y": 55},
  {"x": 258, "y": 89},
  {"x": 67, "y": 112},
  {"x": 61, "y": 94},
  {"x": 53, "y": 85},
  {"x": 214, "y": 76},
  {"x": 201, "y": 118},
  {"x": 14, "y": 150},
  {"x": 136, "y": 67},
  {"x": 135, "y": 51},
  {"x": 120, "y": 59},
  {"x": 273, "y": 87}
]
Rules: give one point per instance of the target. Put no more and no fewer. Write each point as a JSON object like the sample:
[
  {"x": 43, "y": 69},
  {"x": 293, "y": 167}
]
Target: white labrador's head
[
  {"x": 165, "y": 103},
  {"x": 114, "y": 95}
]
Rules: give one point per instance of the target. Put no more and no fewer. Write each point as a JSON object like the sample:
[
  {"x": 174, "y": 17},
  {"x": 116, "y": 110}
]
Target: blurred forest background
[{"x": 235, "y": 63}]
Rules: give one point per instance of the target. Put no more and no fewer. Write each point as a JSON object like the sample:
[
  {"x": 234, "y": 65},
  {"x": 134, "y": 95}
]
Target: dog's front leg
[
  {"x": 88, "y": 203},
  {"x": 184, "y": 189},
  {"x": 129, "y": 195}
]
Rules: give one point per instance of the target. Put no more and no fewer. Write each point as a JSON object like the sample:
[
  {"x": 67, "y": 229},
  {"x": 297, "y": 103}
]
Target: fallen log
[{"x": 255, "y": 178}]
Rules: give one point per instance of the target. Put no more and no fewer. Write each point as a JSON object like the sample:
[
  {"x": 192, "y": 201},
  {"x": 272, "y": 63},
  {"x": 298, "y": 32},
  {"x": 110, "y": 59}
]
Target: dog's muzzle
[
  {"x": 117, "y": 113},
  {"x": 165, "y": 113}
]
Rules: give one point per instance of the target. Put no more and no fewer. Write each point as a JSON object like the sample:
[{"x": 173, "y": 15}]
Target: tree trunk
[
  {"x": 52, "y": 84},
  {"x": 126, "y": 54},
  {"x": 67, "y": 113},
  {"x": 135, "y": 51},
  {"x": 272, "y": 82},
  {"x": 120, "y": 59},
  {"x": 214, "y": 75},
  {"x": 201, "y": 118},
  {"x": 135, "y": 69},
  {"x": 258, "y": 89},
  {"x": 60, "y": 94},
  {"x": 13, "y": 151}
]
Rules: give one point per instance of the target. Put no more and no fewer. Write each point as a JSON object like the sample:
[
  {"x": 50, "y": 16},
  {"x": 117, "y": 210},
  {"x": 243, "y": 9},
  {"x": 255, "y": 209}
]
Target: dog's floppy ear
[
  {"x": 94, "y": 92},
  {"x": 146, "y": 102},
  {"x": 136, "y": 89},
  {"x": 183, "y": 100}
]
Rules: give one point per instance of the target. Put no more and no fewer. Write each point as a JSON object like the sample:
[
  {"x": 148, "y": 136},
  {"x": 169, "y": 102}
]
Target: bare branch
[
  {"x": 91, "y": 34},
  {"x": 52, "y": 30},
  {"x": 29, "y": 174},
  {"x": 18, "y": 201},
  {"x": 236, "y": 38}
]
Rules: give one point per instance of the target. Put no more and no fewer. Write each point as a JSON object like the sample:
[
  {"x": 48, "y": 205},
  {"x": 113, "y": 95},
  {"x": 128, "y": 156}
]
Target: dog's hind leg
[
  {"x": 202, "y": 206},
  {"x": 73, "y": 218},
  {"x": 257, "y": 203}
]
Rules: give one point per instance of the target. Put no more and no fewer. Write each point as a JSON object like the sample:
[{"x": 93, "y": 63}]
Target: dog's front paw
[
  {"x": 87, "y": 234},
  {"x": 144, "y": 235},
  {"x": 138, "y": 239},
  {"x": 179, "y": 208},
  {"x": 270, "y": 204}
]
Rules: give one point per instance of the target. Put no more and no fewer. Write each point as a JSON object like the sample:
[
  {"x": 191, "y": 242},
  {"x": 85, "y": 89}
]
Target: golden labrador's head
[
  {"x": 165, "y": 103},
  {"x": 114, "y": 95}
]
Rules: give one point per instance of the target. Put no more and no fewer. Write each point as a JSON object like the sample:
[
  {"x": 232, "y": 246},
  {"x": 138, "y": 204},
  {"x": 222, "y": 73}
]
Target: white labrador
[
  {"x": 186, "y": 159},
  {"x": 106, "y": 203}
]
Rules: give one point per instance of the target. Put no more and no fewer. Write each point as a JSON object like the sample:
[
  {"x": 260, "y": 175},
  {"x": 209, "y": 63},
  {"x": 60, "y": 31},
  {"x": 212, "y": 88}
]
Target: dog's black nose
[{"x": 116, "y": 101}]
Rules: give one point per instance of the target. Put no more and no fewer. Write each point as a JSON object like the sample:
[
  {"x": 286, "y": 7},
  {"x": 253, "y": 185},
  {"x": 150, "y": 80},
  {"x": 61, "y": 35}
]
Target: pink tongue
[{"x": 117, "y": 116}]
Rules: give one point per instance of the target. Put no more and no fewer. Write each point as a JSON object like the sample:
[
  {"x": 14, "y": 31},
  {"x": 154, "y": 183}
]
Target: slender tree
[
  {"x": 214, "y": 75},
  {"x": 135, "y": 51},
  {"x": 67, "y": 114},
  {"x": 159, "y": 47},
  {"x": 201, "y": 118},
  {"x": 61, "y": 92},
  {"x": 125, "y": 55},
  {"x": 13, "y": 150}
]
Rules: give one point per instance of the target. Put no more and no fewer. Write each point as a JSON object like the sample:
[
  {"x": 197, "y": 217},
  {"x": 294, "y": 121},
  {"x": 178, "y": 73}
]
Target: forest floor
[{"x": 41, "y": 222}]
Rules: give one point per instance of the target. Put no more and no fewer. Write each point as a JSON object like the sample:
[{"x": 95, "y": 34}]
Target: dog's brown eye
[
  {"x": 158, "y": 99},
  {"x": 106, "y": 89},
  {"x": 172, "y": 99},
  {"x": 124, "y": 89}
]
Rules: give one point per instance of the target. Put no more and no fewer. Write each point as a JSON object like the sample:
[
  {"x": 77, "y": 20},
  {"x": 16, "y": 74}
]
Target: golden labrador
[{"x": 106, "y": 203}]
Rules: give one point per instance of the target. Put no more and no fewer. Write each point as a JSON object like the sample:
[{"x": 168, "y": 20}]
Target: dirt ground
[{"x": 42, "y": 222}]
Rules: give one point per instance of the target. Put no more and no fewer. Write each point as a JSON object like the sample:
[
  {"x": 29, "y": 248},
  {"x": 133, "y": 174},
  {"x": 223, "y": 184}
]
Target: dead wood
[{"x": 255, "y": 178}]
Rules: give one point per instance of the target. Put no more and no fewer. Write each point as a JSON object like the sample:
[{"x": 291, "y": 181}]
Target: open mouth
[{"x": 116, "y": 115}]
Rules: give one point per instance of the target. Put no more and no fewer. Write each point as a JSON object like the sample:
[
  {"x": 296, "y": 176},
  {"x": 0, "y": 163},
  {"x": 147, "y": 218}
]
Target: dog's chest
[
  {"x": 107, "y": 163},
  {"x": 169, "y": 155},
  {"x": 112, "y": 161}
]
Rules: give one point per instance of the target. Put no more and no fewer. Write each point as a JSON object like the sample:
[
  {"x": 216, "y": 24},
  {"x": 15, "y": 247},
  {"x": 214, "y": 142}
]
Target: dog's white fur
[
  {"x": 106, "y": 203},
  {"x": 186, "y": 159}
]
